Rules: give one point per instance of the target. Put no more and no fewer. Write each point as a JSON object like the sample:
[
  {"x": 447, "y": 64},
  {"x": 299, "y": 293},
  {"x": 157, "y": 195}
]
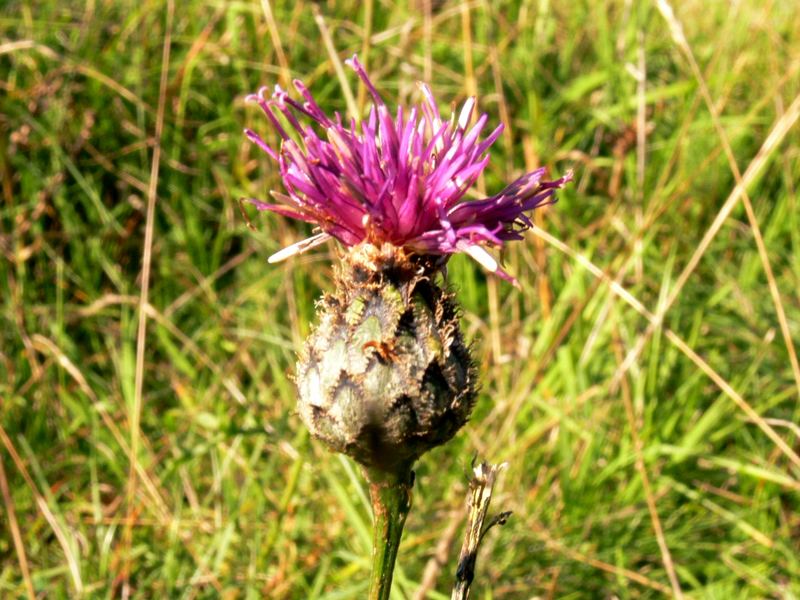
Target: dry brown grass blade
[
  {"x": 680, "y": 39},
  {"x": 433, "y": 568},
  {"x": 13, "y": 525},
  {"x": 427, "y": 36},
  {"x": 156, "y": 503},
  {"x": 492, "y": 284},
  {"x": 47, "y": 346},
  {"x": 228, "y": 382},
  {"x": 147, "y": 255},
  {"x": 205, "y": 284},
  {"x": 778, "y": 132},
  {"x": 641, "y": 148},
  {"x": 274, "y": 34},
  {"x": 658, "y": 530},
  {"x": 70, "y": 65},
  {"x": 18, "y": 312},
  {"x": 556, "y": 546},
  {"x": 620, "y": 291},
  {"x": 9, "y": 47},
  {"x": 350, "y": 100},
  {"x": 364, "y": 56},
  {"x": 470, "y": 84},
  {"x": 44, "y": 508}
]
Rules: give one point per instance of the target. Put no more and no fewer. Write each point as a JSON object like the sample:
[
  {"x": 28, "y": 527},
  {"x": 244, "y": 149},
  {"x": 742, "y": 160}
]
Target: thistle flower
[
  {"x": 386, "y": 374},
  {"x": 398, "y": 179}
]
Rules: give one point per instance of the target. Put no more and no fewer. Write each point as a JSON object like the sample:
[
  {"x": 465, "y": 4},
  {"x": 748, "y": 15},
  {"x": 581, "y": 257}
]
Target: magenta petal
[
  {"x": 259, "y": 141},
  {"x": 281, "y": 210}
]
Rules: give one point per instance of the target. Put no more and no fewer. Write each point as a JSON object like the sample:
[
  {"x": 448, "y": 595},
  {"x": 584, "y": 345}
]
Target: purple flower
[{"x": 396, "y": 178}]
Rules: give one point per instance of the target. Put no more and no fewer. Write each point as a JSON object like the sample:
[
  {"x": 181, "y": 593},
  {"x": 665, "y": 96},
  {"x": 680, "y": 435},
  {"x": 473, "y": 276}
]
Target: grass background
[{"x": 672, "y": 473}]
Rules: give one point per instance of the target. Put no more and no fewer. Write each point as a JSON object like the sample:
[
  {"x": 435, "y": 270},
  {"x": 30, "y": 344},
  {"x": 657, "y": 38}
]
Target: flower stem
[{"x": 391, "y": 501}]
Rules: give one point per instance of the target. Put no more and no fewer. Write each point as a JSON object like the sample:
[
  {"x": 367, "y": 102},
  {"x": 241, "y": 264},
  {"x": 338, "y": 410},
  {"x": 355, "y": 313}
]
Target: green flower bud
[{"x": 385, "y": 375}]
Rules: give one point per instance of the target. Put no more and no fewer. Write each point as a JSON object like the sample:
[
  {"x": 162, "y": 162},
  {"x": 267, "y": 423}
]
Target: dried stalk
[{"x": 480, "y": 495}]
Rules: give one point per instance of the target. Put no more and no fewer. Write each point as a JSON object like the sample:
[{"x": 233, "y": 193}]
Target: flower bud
[{"x": 385, "y": 375}]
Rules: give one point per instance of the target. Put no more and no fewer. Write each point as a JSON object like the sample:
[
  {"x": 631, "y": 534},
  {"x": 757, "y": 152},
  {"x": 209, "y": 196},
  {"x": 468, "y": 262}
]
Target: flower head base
[{"x": 397, "y": 179}]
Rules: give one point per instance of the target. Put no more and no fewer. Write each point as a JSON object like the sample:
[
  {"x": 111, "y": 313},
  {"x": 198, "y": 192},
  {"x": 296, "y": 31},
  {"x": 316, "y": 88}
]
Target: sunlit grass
[{"x": 231, "y": 498}]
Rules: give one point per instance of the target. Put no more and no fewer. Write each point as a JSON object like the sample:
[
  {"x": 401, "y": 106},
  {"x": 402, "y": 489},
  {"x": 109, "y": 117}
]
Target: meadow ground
[{"x": 642, "y": 386}]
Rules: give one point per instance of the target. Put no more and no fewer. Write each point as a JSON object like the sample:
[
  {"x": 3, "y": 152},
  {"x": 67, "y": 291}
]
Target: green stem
[{"x": 391, "y": 500}]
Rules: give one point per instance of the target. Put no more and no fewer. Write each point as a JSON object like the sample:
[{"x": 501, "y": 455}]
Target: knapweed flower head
[
  {"x": 386, "y": 373},
  {"x": 397, "y": 178}
]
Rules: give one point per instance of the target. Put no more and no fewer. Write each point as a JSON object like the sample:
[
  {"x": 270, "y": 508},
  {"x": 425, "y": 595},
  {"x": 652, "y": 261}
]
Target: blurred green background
[{"x": 642, "y": 385}]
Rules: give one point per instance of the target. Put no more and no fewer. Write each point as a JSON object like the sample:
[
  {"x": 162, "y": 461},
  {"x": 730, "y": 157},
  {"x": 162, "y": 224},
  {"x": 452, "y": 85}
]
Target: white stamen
[
  {"x": 466, "y": 113},
  {"x": 299, "y": 247},
  {"x": 483, "y": 258}
]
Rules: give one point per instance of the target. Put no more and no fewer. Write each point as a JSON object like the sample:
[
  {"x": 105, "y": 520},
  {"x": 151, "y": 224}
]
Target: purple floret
[{"x": 397, "y": 178}]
